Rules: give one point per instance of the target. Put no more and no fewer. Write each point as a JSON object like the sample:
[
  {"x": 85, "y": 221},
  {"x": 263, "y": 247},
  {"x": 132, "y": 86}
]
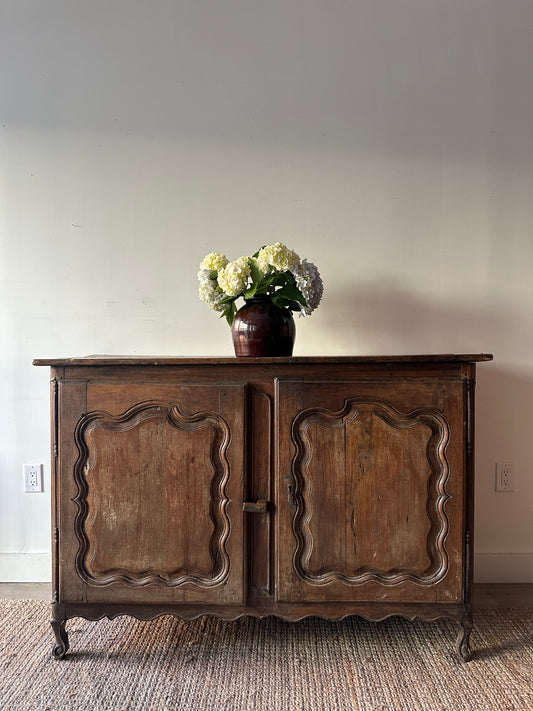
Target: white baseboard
[
  {"x": 503, "y": 568},
  {"x": 488, "y": 568},
  {"x": 25, "y": 567}
]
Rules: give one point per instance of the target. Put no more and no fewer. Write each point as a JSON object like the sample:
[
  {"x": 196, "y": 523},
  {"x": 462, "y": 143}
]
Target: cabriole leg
[
  {"x": 463, "y": 637},
  {"x": 61, "y": 646}
]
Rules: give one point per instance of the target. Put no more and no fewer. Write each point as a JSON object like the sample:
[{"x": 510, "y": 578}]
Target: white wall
[{"x": 389, "y": 141}]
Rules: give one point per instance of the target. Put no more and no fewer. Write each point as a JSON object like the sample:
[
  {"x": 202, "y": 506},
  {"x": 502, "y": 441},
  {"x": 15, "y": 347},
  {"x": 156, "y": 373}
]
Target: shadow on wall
[
  {"x": 503, "y": 404},
  {"x": 503, "y": 423},
  {"x": 395, "y": 321}
]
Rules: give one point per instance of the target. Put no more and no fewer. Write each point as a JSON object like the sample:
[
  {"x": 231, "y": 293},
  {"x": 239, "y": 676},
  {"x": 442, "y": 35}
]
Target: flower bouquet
[{"x": 274, "y": 271}]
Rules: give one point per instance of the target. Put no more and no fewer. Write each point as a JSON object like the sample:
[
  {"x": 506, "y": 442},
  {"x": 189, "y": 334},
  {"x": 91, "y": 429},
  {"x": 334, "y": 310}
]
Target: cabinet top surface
[{"x": 121, "y": 360}]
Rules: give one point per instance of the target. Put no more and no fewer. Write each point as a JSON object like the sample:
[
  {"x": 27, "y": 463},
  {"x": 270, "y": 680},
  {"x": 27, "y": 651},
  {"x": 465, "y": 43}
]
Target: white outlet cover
[{"x": 33, "y": 478}]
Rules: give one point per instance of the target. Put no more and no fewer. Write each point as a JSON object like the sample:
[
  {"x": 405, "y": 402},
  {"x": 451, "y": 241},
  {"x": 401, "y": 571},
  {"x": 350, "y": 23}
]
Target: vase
[{"x": 260, "y": 328}]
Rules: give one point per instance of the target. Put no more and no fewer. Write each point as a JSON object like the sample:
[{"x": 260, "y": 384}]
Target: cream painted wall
[{"x": 390, "y": 142}]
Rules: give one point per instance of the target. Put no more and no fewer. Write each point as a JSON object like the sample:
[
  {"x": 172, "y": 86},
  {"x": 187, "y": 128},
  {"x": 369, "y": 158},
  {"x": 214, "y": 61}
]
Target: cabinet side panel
[
  {"x": 71, "y": 403},
  {"x": 54, "y": 423}
]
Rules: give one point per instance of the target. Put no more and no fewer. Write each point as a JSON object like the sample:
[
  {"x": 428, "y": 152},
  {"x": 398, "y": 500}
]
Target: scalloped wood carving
[
  {"x": 149, "y": 481},
  {"x": 378, "y": 433}
]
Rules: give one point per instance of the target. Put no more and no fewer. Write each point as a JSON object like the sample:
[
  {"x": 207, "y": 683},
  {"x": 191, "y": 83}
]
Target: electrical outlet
[
  {"x": 504, "y": 476},
  {"x": 33, "y": 478}
]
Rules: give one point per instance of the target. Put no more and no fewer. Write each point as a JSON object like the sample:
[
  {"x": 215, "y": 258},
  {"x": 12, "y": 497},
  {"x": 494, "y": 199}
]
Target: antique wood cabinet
[{"x": 264, "y": 486}]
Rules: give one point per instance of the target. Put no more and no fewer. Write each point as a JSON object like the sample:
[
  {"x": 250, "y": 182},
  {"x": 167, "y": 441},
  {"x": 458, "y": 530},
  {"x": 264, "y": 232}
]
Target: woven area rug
[{"x": 265, "y": 665}]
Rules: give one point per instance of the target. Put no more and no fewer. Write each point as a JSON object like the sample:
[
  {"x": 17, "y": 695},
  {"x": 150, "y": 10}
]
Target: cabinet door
[
  {"x": 371, "y": 491},
  {"x": 158, "y": 482}
]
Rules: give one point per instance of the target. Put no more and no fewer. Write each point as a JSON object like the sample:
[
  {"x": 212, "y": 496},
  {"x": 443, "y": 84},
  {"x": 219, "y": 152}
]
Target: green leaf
[
  {"x": 291, "y": 293},
  {"x": 285, "y": 303},
  {"x": 280, "y": 279},
  {"x": 255, "y": 272},
  {"x": 228, "y": 300},
  {"x": 229, "y": 313},
  {"x": 268, "y": 282},
  {"x": 257, "y": 278}
]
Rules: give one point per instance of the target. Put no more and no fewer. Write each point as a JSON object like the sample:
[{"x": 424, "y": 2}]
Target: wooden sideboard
[{"x": 327, "y": 486}]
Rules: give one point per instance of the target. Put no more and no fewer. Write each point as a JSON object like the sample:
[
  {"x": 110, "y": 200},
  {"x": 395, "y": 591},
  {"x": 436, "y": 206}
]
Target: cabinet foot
[
  {"x": 61, "y": 645},
  {"x": 463, "y": 639}
]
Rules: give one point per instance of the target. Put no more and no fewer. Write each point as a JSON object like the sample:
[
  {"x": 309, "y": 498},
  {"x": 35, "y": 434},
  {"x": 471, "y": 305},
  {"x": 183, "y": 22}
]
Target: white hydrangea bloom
[
  {"x": 278, "y": 256},
  {"x": 214, "y": 261},
  {"x": 309, "y": 282},
  {"x": 233, "y": 279},
  {"x": 208, "y": 292}
]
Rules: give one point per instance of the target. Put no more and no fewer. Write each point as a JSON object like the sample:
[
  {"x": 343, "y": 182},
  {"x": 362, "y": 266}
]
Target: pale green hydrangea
[
  {"x": 208, "y": 291},
  {"x": 310, "y": 284},
  {"x": 233, "y": 278},
  {"x": 214, "y": 262},
  {"x": 278, "y": 256}
]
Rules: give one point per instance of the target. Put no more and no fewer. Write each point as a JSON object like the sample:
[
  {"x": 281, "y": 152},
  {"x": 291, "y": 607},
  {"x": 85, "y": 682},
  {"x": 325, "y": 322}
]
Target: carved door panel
[
  {"x": 370, "y": 494},
  {"x": 158, "y": 509}
]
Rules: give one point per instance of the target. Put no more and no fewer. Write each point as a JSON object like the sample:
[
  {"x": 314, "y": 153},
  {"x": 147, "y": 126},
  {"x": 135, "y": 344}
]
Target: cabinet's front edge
[
  {"x": 57, "y": 374},
  {"x": 54, "y": 436},
  {"x": 470, "y": 385}
]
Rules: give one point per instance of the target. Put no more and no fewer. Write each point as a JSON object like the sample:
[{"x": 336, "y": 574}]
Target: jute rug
[{"x": 265, "y": 665}]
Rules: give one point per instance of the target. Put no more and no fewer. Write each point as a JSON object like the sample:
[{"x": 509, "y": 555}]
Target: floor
[
  {"x": 485, "y": 594},
  {"x": 25, "y": 591}
]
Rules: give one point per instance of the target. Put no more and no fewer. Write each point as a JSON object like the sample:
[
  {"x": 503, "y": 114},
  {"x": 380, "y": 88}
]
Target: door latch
[{"x": 255, "y": 506}]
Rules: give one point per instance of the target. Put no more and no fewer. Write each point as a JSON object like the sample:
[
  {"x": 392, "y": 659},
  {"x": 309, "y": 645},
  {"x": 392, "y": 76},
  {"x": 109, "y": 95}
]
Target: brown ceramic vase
[{"x": 262, "y": 329}]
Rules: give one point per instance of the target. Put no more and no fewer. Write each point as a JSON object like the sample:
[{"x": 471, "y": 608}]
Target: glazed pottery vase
[{"x": 262, "y": 329}]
